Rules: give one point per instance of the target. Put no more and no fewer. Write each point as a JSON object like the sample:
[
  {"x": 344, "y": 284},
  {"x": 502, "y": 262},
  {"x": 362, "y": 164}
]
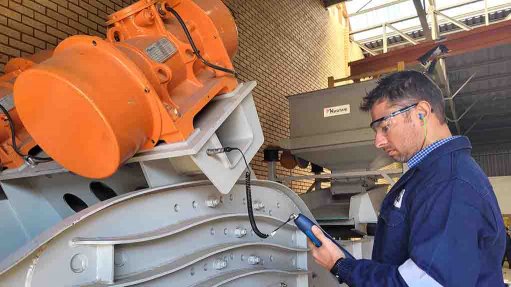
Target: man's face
[{"x": 400, "y": 136}]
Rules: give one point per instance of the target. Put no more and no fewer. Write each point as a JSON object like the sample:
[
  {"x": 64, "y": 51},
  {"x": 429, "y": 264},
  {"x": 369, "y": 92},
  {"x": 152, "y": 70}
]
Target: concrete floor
[{"x": 507, "y": 274}]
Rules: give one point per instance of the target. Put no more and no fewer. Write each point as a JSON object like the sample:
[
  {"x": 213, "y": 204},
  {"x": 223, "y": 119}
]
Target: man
[{"x": 440, "y": 224}]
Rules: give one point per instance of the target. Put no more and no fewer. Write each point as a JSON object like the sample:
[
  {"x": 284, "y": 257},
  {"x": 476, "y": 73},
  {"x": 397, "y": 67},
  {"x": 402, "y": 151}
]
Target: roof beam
[
  {"x": 458, "y": 43},
  {"x": 364, "y": 47},
  {"x": 423, "y": 19},
  {"x": 413, "y": 17},
  {"x": 454, "y": 21},
  {"x": 406, "y": 37},
  {"x": 378, "y": 7}
]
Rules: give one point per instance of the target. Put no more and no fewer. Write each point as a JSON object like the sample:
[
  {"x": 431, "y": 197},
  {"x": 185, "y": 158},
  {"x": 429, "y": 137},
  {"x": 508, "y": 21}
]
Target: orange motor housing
[{"x": 96, "y": 102}]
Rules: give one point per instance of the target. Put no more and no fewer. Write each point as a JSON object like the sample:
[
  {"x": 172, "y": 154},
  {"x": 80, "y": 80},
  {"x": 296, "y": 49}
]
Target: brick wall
[
  {"x": 28, "y": 26},
  {"x": 288, "y": 47}
]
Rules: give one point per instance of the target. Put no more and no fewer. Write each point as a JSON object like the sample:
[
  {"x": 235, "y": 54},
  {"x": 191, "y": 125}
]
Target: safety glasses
[{"x": 383, "y": 124}]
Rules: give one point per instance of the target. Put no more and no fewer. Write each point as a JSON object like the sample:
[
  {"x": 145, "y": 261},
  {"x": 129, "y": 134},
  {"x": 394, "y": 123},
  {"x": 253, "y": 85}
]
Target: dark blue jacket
[{"x": 443, "y": 215}]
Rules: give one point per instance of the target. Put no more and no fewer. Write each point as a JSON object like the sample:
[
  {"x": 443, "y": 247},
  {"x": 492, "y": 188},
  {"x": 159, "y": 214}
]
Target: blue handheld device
[{"x": 305, "y": 225}]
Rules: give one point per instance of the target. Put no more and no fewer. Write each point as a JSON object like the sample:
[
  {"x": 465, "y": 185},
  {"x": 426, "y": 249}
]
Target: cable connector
[
  {"x": 30, "y": 161},
  {"x": 213, "y": 151}
]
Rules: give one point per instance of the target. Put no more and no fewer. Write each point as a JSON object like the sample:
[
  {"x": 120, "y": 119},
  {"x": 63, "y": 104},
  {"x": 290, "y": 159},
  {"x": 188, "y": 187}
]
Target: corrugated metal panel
[{"x": 497, "y": 164}]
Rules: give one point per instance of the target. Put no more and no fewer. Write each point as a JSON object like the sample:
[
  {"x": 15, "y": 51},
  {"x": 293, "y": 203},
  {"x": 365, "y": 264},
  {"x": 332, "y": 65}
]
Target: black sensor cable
[
  {"x": 214, "y": 151},
  {"x": 192, "y": 43},
  {"x": 30, "y": 159}
]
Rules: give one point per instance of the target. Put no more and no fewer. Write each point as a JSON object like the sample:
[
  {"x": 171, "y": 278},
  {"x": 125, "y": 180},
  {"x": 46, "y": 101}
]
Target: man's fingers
[{"x": 318, "y": 233}]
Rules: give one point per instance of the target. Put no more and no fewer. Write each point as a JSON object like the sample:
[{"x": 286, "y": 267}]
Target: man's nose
[{"x": 380, "y": 140}]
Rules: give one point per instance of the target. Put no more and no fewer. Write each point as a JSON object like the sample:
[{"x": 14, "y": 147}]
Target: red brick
[
  {"x": 21, "y": 46},
  {"x": 67, "y": 29},
  {"x": 88, "y": 23},
  {"x": 97, "y": 20},
  {"x": 3, "y": 20},
  {"x": 34, "y": 6},
  {"x": 45, "y": 37},
  {"x": 10, "y": 32},
  {"x": 47, "y": 4},
  {"x": 98, "y": 5},
  {"x": 78, "y": 10},
  {"x": 54, "y": 15},
  {"x": 21, "y": 9},
  {"x": 54, "y": 32},
  {"x": 20, "y": 27},
  {"x": 103, "y": 15},
  {"x": 62, "y": 3},
  {"x": 33, "y": 41},
  {"x": 33, "y": 23},
  {"x": 82, "y": 28},
  {"x": 46, "y": 20},
  {"x": 67, "y": 13},
  {"x": 88, "y": 7},
  {"x": 4, "y": 39},
  {"x": 9, "y": 13},
  {"x": 107, "y": 3}
]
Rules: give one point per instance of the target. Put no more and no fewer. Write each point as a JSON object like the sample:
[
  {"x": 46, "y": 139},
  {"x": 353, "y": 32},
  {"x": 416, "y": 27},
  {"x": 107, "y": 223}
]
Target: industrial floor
[{"x": 507, "y": 274}]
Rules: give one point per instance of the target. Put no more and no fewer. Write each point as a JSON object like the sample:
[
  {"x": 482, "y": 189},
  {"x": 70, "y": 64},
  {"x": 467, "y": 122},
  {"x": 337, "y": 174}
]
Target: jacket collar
[
  {"x": 457, "y": 144},
  {"x": 461, "y": 143}
]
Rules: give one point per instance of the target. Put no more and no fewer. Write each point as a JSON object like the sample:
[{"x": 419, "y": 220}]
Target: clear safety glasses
[{"x": 383, "y": 124}]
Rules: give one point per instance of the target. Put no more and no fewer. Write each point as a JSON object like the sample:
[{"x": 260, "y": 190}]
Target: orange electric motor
[
  {"x": 94, "y": 103},
  {"x": 14, "y": 153}
]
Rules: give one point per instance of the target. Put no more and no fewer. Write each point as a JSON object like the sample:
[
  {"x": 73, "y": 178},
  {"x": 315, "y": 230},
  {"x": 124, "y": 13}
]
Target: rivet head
[
  {"x": 254, "y": 260},
  {"x": 258, "y": 205},
  {"x": 240, "y": 232},
  {"x": 212, "y": 202},
  {"x": 219, "y": 264},
  {"x": 78, "y": 263}
]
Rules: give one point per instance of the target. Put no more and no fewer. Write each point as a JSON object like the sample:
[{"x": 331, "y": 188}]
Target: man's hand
[{"x": 328, "y": 253}]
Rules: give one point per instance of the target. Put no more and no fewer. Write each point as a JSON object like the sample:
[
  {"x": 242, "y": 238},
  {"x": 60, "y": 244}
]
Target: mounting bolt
[
  {"x": 240, "y": 232},
  {"x": 78, "y": 263},
  {"x": 220, "y": 264},
  {"x": 253, "y": 260},
  {"x": 212, "y": 202},
  {"x": 258, "y": 205},
  {"x": 176, "y": 112}
]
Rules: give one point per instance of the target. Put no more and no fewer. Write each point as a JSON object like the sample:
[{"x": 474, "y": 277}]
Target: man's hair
[{"x": 407, "y": 87}]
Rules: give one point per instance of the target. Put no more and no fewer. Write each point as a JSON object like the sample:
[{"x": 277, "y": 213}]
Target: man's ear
[{"x": 423, "y": 110}]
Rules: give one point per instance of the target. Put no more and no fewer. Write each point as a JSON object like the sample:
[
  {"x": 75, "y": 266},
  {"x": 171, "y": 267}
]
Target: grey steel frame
[{"x": 179, "y": 217}]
